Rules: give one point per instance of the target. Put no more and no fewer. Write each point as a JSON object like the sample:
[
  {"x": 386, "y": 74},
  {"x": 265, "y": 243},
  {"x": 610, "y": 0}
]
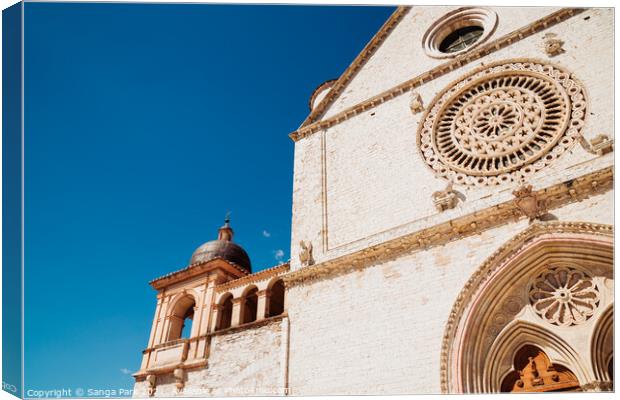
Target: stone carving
[
  {"x": 502, "y": 123},
  {"x": 305, "y": 254},
  {"x": 564, "y": 296},
  {"x": 599, "y": 146},
  {"x": 537, "y": 374},
  {"x": 151, "y": 381},
  {"x": 445, "y": 199},
  {"x": 416, "y": 105},
  {"x": 490, "y": 267},
  {"x": 313, "y": 124},
  {"x": 528, "y": 203},
  {"x": 552, "y": 45},
  {"x": 179, "y": 379}
]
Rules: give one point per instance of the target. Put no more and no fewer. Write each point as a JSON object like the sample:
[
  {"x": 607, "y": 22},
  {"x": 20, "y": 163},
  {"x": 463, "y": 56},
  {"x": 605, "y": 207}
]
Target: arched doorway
[{"x": 510, "y": 301}]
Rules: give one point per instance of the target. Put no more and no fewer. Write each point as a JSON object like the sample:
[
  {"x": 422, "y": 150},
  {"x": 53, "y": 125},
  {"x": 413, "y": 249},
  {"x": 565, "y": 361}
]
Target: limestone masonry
[{"x": 452, "y": 225}]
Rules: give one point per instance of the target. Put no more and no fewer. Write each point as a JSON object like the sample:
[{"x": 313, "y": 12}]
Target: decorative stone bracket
[
  {"x": 527, "y": 202},
  {"x": 151, "y": 381},
  {"x": 599, "y": 146},
  {"x": 416, "y": 105},
  {"x": 445, "y": 199},
  {"x": 179, "y": 379},
  {"x": 552, "y": 45}
]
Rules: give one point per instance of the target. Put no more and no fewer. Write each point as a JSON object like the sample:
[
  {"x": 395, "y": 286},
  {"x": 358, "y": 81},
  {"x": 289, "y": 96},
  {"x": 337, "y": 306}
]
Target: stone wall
[
  {"x": 364, "y": 181},
  {"x": 242, "y": 362},
  {"x": 381, "y": 328}
]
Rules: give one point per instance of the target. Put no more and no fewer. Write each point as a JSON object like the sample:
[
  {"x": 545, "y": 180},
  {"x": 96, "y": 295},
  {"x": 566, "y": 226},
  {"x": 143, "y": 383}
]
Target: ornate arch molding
[
  {"x": 524, "y": 254},
  {"x": 602, "y": 344},
  {"x": 518, "y": 334},
  {"x": 179, "y": 298}
]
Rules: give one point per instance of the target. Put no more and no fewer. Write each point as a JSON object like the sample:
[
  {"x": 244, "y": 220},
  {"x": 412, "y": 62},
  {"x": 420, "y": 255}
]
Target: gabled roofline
[
  {"x": 356, "y": 65},
  {"x": 436, "y": 72}
]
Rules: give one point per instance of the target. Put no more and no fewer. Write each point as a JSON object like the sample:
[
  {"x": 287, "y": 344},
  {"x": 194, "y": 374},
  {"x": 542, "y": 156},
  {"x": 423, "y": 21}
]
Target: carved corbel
[
  {"x": 528, "y": 203},
  {"x": 599, "y": 146},
  {"x": 179, "y": 379},
  {"x": 552, "y": 45},
  {"x": 445, "y": 199},
  {"x": 305, "y": 254},
  {"x": 151, "y": 381},
  {"x": 416, "y": 104}
]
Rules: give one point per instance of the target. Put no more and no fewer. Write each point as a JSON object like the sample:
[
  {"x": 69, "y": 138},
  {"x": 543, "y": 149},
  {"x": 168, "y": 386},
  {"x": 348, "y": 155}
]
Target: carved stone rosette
[
  {"x": 564, "y": 296},
  {"x": 502, "y": 123}
]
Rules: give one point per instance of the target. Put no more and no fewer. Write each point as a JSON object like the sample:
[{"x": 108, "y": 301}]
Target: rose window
[
  {"x": 502, "y": 123},
  {"x": 564, "y": 296}
]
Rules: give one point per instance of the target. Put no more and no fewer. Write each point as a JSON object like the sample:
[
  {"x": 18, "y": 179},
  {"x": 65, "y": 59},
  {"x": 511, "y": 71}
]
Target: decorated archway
[{"x": 549, "y": 287}]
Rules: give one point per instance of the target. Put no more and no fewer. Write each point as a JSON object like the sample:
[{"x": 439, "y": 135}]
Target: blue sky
[{"x": 144, "y": 125}]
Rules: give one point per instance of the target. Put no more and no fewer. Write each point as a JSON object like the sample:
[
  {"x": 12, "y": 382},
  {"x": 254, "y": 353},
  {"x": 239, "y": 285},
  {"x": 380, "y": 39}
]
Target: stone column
[
  {"x": 262, "y": 306},
  {"x": 209, "y": 299},
  {"x": 215, "y": 315},
  {"x": 237, "y": 313}
]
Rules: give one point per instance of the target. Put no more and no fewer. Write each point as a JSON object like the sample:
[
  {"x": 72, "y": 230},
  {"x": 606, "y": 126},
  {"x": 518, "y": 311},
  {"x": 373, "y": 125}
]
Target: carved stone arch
[
  {"x": 180, "y": 308},
  {"x": 602, "y": 344},
  {"x": 515, "y": 336},
  {"x": 249, "y": 304},
  {"x": 184, "y": 293},
  {"x": 497, "y": 292},
  {"x": 247, "y": 289},
  {"x": 225, "y": 310},
  {"x": 276, "y": 302}
]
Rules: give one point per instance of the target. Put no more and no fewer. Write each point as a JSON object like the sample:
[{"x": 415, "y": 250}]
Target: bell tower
[{"x": 179, "y": 339}]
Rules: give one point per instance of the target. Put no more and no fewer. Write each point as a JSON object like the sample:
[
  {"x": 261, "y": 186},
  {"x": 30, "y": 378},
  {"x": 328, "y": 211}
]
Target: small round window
[
  {"x": 461, "y": 39},
  {"x": 459, "y": 31}
]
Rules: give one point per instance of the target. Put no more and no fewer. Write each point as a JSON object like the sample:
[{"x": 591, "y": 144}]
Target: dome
[{"x": 224, "y": 248}]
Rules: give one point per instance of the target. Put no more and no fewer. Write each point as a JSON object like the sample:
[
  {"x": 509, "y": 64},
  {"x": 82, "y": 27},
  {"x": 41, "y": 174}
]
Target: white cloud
[
  {"x": 266, "y": 233},
  {"x": 125, "y": 371},
  {"x": 278, "y": 254}
]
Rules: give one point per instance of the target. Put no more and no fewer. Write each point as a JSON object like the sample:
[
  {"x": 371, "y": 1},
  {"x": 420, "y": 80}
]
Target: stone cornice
[
  {"x": 194, "y": 270},
  {"x": 249, "y": 325},
  {"x": 312, "y": 124},
  {"x": 554, "y": 196},
  {"x": 258, "y": 276}
]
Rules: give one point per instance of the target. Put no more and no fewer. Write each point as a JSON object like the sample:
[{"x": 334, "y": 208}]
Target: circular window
[
  {"x": 459, "y": 31},
  {"x": 461, "y": 39},
  {"x": 502, "y": 123}
]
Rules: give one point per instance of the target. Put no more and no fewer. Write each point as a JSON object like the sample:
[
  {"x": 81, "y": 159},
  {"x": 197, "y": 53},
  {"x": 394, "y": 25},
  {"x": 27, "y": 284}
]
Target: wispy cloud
[
  {"x": 125, "y": 371},
  {"x": 278, "y": 254},
  {"x": 266, "y": 233}
]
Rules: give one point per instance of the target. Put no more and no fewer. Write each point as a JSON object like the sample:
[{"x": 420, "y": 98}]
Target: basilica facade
[{"x": 452, "y": 225}]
